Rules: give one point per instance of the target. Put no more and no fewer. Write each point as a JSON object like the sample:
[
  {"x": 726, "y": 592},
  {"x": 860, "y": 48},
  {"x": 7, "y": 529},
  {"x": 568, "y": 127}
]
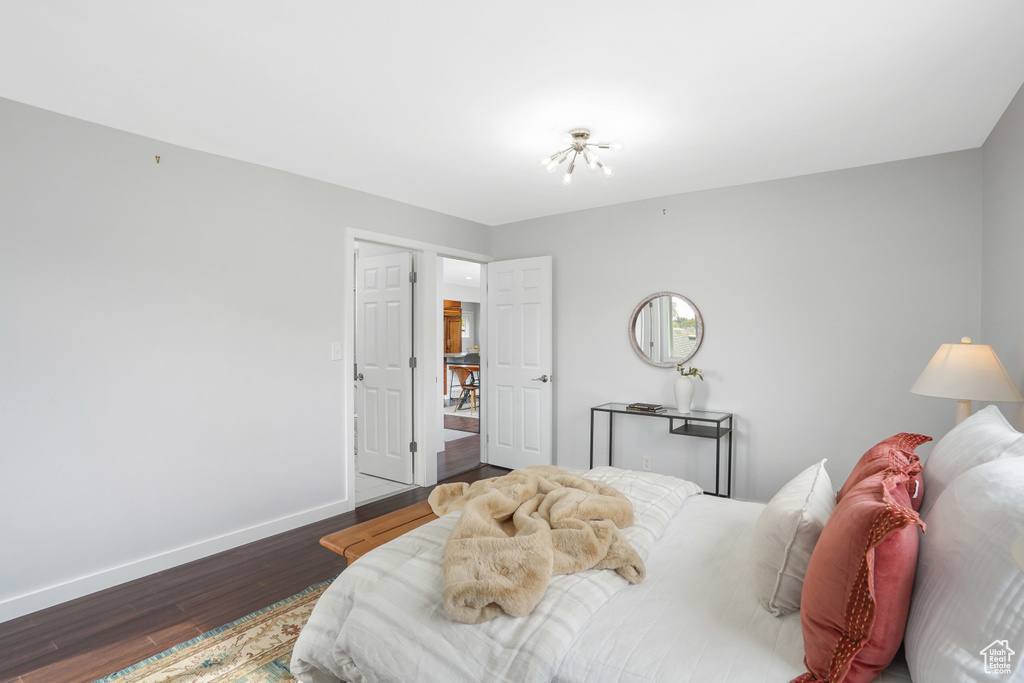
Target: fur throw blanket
[{"x": 518, "y": 530}]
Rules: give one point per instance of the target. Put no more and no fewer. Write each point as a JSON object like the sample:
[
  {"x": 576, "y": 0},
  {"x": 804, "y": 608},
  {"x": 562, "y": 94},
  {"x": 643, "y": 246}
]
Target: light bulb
[
  {"x": 567, "y": 178},
  {"x": 607, "y": 171},
  {"x": 552, "y": 162}
]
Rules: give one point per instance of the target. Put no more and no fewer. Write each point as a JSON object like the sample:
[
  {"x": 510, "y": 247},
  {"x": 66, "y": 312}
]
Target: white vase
[{"x": 684, "y": 393}]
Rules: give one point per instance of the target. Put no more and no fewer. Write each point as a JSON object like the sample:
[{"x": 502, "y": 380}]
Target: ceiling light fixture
[{"x": 579, "y": 145}]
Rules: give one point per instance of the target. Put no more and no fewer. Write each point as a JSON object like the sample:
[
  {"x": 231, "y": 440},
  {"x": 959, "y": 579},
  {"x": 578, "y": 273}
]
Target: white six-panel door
[
  {"x": 383, "y": 348},
  {"x": 519, "y": 362}
]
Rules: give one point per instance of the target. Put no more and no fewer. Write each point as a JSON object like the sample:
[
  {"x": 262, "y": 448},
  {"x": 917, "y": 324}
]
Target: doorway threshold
[{"x": 370, "y": 488}]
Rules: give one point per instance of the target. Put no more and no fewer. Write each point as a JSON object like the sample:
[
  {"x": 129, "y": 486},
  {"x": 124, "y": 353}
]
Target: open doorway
[
  {"x": 427, "y": 372},
  {"x": 460, "y": 296}
]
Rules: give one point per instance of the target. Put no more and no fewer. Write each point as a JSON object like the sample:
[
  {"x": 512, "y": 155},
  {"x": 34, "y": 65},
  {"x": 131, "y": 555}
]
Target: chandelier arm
[
  {"x": 556, "y": 159},
  {"x": 559, "y": 153},
  {"x": 567, "y": 178}
]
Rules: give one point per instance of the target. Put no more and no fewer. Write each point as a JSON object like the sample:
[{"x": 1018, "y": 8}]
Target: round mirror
[{"x": 665, "y": 328}]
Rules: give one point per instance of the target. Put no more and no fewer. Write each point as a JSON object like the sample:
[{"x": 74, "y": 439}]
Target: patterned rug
[{"x": 254, "y": 649}]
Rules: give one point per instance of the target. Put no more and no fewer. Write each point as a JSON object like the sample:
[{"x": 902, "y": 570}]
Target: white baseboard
[{"x": 28, "y": 603}]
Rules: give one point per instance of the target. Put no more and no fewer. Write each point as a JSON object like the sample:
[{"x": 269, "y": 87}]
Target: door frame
[{"x": 426, "y": 407}]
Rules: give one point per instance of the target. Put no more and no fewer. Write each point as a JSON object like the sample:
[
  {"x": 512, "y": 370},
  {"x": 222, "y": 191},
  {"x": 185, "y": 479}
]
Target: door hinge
[
  {"x": 412, "y": 362},
  {"x": 412, "y": 446},
  {"x": 412, "y": 277}
]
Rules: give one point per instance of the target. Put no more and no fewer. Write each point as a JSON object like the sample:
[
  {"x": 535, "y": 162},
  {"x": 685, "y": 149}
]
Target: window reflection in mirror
[{"x": 666, "y": 328}]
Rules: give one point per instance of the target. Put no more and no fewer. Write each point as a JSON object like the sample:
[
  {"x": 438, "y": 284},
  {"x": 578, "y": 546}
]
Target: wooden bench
[{"x": 356, "y": 541}]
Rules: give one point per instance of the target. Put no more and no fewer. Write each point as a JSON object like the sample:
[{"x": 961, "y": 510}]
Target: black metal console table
[{"x": 699, "y": 423}]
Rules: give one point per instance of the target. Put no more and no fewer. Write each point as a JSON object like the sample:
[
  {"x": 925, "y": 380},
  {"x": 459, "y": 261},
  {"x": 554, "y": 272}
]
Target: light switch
[{"x": 336, "y": 351}]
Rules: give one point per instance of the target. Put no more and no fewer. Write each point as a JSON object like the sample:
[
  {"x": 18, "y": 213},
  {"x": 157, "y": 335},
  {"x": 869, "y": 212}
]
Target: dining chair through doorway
[{"x": 469, "y": 387}]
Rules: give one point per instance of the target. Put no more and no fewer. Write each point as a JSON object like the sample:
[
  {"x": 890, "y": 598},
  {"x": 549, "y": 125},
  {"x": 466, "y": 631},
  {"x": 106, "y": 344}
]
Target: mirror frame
[{"x": 630, "y": 330}]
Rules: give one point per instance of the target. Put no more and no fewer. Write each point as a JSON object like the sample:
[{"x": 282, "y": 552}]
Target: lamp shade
[{"x": 966, "y": 371}]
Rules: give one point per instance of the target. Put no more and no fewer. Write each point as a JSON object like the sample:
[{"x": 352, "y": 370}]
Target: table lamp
[{"x": 966, "y": 372}]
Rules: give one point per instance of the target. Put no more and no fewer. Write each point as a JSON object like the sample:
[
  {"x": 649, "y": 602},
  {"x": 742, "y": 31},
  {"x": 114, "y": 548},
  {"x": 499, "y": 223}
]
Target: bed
[{"x": 698, "y": 615}]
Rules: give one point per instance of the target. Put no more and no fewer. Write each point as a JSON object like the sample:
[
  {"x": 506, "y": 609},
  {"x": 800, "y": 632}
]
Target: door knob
[
  {"x": 542, "y": 378},
  {"x": 359, "y": 377}
]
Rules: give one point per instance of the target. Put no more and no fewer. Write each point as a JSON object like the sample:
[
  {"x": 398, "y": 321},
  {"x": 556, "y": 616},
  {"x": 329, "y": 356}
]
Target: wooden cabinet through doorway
[{"x": 452, "y": 326}]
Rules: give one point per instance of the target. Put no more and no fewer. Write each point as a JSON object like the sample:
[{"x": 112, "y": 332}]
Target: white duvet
[
  {"x": 382, "y": 619},
  {"x": 694, "y": 618}
]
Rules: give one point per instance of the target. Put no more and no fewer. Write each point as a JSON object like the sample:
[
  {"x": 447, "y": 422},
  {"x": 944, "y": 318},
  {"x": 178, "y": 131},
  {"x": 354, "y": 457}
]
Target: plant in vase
[{"x": 684, "y": 387}]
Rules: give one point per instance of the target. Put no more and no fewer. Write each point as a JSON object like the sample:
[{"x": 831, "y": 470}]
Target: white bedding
[
  {"x": 382, "y": 619},
  {"x": 694, "y": 618}
]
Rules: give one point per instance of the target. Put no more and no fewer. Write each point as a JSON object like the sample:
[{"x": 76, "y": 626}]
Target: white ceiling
[
  {"x": 450, "y": 105},
  {"x": 463, "y": 273}
]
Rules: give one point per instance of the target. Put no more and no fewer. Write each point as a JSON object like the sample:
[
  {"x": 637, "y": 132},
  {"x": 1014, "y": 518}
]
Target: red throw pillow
[
  {"x": 856, "y": 594},
  {"x": 896, "y": 456}
]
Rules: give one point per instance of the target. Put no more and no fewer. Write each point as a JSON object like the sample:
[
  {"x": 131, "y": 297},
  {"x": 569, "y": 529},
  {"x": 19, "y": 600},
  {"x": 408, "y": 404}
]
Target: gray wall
[
  {"x": 1003, "y": 259},
  {"x": 823, "y": 298},
  {"x": 166, "y": 388}
]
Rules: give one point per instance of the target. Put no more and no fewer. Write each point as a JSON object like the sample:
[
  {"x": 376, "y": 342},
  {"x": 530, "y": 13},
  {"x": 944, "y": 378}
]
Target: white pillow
[
  {"x": 969, "y": 593},
  {"x": 785, "y": 535},
  {"x": 982, "y": 437}
]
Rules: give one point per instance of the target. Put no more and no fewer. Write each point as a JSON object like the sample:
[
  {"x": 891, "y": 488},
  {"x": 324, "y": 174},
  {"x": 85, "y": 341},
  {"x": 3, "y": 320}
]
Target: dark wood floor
[
  {"x": 102, "y": 633},
  {"x": 459, "y": 455},
  {"x": 462, "y": 423}
]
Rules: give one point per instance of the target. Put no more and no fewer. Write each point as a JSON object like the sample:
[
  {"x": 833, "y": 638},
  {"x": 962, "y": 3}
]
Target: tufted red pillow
[
  {"x": 895, "y": 455},
  {"x": 856, "y": 594}
]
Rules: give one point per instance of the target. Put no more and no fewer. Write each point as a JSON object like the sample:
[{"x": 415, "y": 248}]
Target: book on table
[{"x": 646, "y": 407}]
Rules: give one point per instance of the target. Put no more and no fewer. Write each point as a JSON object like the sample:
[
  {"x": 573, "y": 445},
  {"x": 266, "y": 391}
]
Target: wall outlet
[{"x": 647, "y": 463}]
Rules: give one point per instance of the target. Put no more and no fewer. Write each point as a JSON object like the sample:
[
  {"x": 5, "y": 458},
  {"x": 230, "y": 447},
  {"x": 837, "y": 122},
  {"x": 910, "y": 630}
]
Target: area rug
[
  {"x": 254, "y": 649},
  {"x": 466, "y": 410}
]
